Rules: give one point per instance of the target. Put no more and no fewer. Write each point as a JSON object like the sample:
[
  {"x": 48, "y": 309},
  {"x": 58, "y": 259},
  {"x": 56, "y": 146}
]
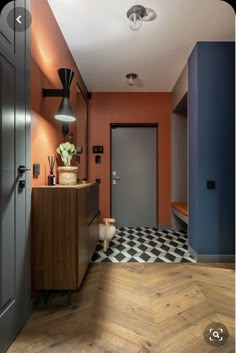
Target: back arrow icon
[{"x": 18, "y": 19}]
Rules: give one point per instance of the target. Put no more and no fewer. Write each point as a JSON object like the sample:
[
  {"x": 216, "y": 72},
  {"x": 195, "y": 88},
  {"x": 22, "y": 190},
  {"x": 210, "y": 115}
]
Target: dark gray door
[
  {"x": 134, "y": 176},
  {"x": 14, "y": 185}
]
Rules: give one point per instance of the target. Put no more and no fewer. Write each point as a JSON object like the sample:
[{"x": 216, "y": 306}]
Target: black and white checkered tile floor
[{"x": 145, "y": 245}]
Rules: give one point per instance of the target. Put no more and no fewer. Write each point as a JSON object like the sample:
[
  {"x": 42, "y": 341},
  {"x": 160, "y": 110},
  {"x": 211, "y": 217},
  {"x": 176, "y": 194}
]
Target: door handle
[
  {"x": 22, "y": 169},
  {"x": 115, "y": 177}
]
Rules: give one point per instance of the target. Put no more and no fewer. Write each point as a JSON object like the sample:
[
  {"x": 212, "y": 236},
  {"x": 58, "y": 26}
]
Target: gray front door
[
  {"x": 134, "y": 176},
  {"x": 14, "y": 185}
]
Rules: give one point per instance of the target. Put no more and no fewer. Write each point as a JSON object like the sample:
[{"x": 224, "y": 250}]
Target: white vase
[{"x": 67, "y": 175}]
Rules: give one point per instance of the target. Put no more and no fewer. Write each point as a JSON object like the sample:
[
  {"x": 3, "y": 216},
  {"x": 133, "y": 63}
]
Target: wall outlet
[{"x": 98, "y": 159}]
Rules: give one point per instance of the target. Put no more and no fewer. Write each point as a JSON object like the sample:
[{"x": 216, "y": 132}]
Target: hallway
[{"x": 136, "y": 308}]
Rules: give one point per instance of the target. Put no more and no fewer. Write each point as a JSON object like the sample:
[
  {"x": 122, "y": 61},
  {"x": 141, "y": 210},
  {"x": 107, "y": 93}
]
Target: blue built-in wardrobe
[{"x": 211, "y": 150}]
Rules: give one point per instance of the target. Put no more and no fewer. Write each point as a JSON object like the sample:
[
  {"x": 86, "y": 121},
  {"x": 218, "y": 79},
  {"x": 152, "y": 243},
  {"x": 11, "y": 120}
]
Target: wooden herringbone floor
[{"x": 136, "y": 308}]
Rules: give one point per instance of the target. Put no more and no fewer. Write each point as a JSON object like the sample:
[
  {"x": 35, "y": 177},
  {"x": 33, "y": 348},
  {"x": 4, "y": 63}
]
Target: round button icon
[
  {"x": 19, "y": 19},
  {"x": 216, "y": 334}
]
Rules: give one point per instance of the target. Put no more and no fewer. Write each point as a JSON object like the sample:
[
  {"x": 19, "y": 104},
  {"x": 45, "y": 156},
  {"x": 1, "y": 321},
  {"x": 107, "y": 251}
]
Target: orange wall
[
  {"x": 49, "y": 52},
  {"x": 106, "y": 108}
]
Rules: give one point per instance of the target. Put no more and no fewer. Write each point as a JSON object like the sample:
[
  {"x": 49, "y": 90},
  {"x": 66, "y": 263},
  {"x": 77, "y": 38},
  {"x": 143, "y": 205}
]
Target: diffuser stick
[{"x": 51, "y": 177}]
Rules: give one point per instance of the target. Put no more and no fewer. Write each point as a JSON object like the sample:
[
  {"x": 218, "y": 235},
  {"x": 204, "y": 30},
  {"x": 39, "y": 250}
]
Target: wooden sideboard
[{"x": 64, "y": 234}]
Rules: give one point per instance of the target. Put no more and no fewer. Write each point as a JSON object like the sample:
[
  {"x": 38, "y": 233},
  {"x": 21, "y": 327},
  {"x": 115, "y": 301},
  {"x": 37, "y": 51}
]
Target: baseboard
[
  {"x": 211, "y": 258},
  {"x": 164, "y": 227}
]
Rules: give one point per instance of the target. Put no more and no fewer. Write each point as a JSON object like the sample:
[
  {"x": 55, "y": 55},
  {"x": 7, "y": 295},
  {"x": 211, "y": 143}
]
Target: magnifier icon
[{"x": 216, "y": 334}]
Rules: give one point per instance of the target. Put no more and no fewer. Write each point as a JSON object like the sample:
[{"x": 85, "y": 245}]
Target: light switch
[
  {"x": 211, "y": 184},
  {"x": 36, "y": 169}
]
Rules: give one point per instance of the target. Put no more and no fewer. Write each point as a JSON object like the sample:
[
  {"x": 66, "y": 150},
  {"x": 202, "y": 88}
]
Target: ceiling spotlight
[
  {"x": 131, "y": 79},
  {"x": 137, "y": 14}
]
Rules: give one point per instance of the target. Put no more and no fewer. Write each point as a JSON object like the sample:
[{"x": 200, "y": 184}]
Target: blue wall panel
[
  {"x": 211, "y": 147},
  {"x": 193, "y": 148}
]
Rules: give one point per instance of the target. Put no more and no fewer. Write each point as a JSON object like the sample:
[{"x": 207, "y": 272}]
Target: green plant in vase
[
  {"x": 66, "y": 150},
  {"x": 68, "y": 173}
]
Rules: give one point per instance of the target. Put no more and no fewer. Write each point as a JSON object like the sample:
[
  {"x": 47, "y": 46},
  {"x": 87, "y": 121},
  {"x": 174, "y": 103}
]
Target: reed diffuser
[{"x": 51, "y": 177}]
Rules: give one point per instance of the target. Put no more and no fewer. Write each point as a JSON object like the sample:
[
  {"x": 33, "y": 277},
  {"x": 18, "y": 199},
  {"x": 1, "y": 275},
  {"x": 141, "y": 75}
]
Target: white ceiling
[{"x": 105, "y": 49}]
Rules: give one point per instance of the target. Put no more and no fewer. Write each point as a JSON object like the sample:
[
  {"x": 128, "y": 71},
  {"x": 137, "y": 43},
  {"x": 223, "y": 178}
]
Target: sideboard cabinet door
[
  {"x": 93, "y": 235},
  {"x": 64, "y": 235},
  {"x": 53, "y": 238},
  {"x": 82, "y": 234},
  {"x": 93, "y": 202}
]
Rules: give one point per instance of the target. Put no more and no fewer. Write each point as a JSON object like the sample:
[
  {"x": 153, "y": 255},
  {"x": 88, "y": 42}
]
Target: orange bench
[{"x": 180, "y": 210}]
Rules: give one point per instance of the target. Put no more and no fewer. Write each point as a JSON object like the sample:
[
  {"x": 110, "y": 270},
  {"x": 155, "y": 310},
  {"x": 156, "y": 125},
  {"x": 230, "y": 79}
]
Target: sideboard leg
[
  {"x": 69, "y": 297},
  {"x": 46, "y": 296}
]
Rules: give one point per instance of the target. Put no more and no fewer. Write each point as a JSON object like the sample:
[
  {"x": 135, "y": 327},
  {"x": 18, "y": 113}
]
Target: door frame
[
  {"x": 156, "y": 125},
  {"x": 21, "y": 302}
]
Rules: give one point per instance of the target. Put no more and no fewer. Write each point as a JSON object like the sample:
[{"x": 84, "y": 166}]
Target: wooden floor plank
[{"x": 136, "y": 308}]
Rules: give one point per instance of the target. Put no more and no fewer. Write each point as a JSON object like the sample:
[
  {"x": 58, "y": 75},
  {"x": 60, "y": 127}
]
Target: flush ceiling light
[
  {"x": 64, "y": 113},
  {"x": 131, "y": 79},
  {"x": 137, "y": 14}
]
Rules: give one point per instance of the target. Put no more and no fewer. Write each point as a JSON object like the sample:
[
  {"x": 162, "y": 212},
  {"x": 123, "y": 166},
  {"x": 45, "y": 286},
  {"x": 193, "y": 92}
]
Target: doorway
[{"x": 134, "y": 174}]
